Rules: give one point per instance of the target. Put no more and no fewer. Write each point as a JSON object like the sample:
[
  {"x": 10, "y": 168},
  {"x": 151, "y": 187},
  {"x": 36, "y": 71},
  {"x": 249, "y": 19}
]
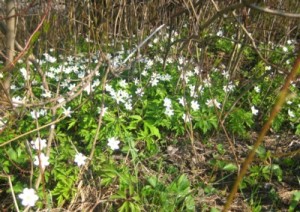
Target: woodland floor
[{"x": 198, "y": 168}]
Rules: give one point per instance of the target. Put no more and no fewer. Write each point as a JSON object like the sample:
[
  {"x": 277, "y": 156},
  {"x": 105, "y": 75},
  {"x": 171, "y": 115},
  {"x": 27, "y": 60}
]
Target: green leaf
[
  {"x": 136, "y": 117},
  {"x": 295, "y": 201},
  {"x": 12, "y": 154},
  {"x": 71, "y": 123},
  {"x": 152, "y": 181},
  {"x": 214, "y": 210},
  {"x": 230, "y": 167},
  {"x": 153, "y": 130}
]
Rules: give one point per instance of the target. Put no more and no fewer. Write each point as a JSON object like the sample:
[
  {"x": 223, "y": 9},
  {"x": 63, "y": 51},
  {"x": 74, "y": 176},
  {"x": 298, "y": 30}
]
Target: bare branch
[
  {"x": 220, "y": 14},
  {"x": 271, "y": 11}
]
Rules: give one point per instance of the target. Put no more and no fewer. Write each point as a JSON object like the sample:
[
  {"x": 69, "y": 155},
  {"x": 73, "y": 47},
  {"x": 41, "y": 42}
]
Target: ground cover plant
[{"x": 115, "y": 128}]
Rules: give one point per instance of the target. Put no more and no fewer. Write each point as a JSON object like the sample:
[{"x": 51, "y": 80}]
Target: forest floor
[{"x": 273, "y": 193}]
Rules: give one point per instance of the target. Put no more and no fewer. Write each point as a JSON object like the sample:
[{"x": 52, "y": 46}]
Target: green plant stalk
[{"x": 276, "y": 109}]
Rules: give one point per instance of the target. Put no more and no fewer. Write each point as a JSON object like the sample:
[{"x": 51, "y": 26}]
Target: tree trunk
[{"x": 10, "y": 48}]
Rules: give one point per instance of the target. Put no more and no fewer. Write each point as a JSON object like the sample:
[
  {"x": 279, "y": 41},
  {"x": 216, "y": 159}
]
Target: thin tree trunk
[{"x": 10, "y": 44}]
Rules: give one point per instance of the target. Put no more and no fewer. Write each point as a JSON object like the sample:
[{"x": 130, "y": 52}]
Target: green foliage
[
  {"x": 239, "y": 121},
  {"x": 174, "y": 196}
]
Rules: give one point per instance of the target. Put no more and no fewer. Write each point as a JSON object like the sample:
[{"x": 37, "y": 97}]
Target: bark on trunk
[{"x": 10, "y": 48}]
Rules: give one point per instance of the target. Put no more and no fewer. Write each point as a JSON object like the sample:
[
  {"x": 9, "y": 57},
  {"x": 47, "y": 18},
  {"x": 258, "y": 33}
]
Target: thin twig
[
  {"x": 13, "y": 193},
  {"x": 271, "y": 11},
  {"x": 141, "y": 44}
]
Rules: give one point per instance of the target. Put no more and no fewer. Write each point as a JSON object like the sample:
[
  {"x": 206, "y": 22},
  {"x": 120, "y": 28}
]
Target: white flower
[
  {"x": 24, "y": 73},
  {"x": 80, "y": 159},
  {"x": 194, "y": 105},
  {"x": 181, "y": 101},
  {"x": 88, "y": 88},
  {"x": 169, "y": 112},
  {"x": 149, "y": 63},
  {"x": 166, "y": 77},
  {"x": 184, "y": 77},
  {"x": 96, "y": 83},
  {"x": 213, "y": 102},
  {"x": 197, "y": 70},
  {"x": 109, "y": 89},
  {"x": 80, "y": 74},
  {"x": 39, "y": 143},
  {"x": 291, "y": 113},
  {"x": 13, "y": 87},
  {"x": 139, "y": 92},
  {"x": 144, "y": 73},
  {"x": 193, "y": 91},
  {"x": 181, "y": 60},
  {"x": 49, "y": 58},
  {"x": 284, "y": 48},
  {"x": 254, "y": 110},
  {"x": 207, "y": 82},
  {"x": 136, "y": 81},
  {"x": 71, "y": 86},
  {"x": 28, "y": 197},
  {"x": 186, "y": 118},
  {"x": 18, "y": 101},
  {"x": 120, "y": 96},
  {"x": 226, "y": 74},
  {"x": 167, "y": 102},
  {"x": 257, "y": 89},
  {"x": 228, "y": 88},
  {"x": 170, "y": 60},
  {"x": 104, "y": 111},
  {"x": 268, "y": 68},
  {"x": 113, "y": 143},
  {"x": 123, "y": 83},
  {"x": 128, "y": 105},
  {"x": 154, "y": 79},
  {"x": 42, "y": 112},
  {"x": 47, "y": 94},
  {"x": 44, "y": 160},
  {"x": 220, "y": 33},
  {"x": 67, "y": 112},
  {"x": 35, "y": 114}
]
